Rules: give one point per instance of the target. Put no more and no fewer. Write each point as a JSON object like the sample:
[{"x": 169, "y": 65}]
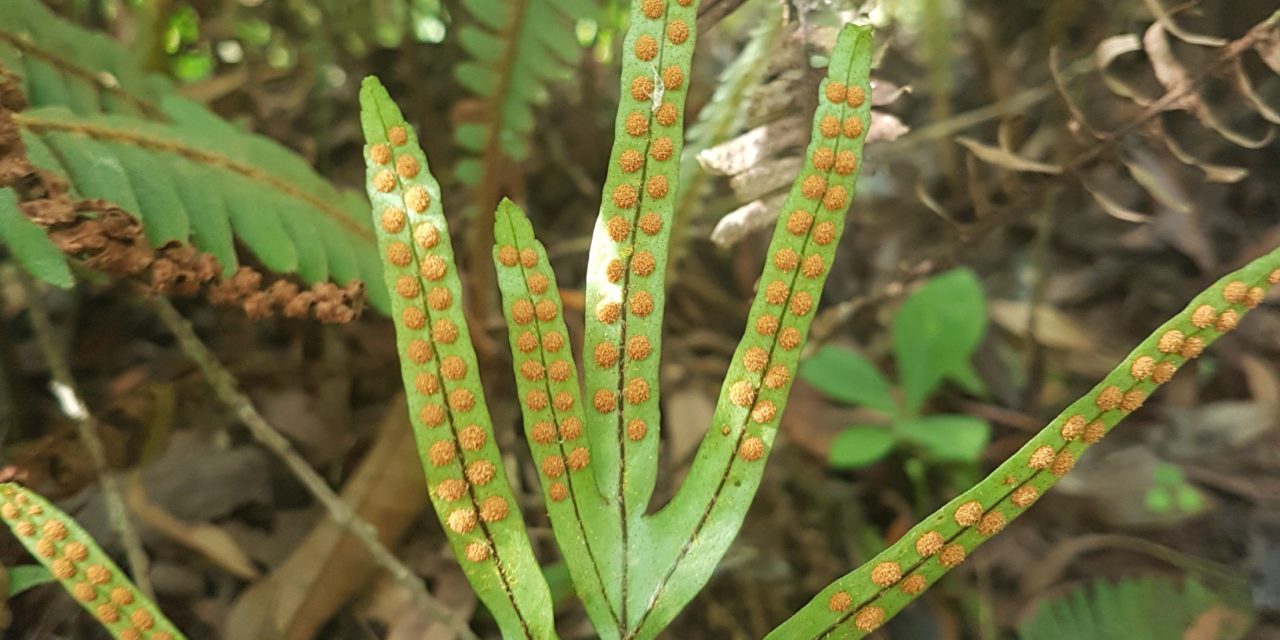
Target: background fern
[
  {"x": 122, "y": 135},
  {"x": 516, "y": 49},
  {"x": 1146, "y": 608}
]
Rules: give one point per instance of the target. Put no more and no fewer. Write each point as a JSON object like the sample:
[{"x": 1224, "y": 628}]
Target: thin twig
[
  {"x": 227, "y": 390},
  {"x": 825, "y": 325},
  {"x": 63, "y": 387}
]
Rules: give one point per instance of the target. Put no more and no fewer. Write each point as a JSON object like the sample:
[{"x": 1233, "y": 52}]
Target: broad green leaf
[
  {"x": 937, "y": 330},
  {"x": 30, "y": 244},
  {"x": 860, "y": 446},
  {"x": 948, "y": 438},
  {"x": 844, "y": 375}
]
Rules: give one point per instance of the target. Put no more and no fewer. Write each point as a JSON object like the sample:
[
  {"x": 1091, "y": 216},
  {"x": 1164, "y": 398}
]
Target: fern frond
[
  {"x": 30, "y": 244},
  {"x": 464, "y": 469},
  {"x": 119, "y": 134},
  {"x": 858, "y": 603},
  {"x": 625, "y": 294},
  {"x": 517, "y": 49},
  {"x": 547, "y": 381},
  {"x": 204, "y": 182},
  {"x": 1143, "y": 608},
  {"x": 82, "y": 567},
  {"x": 698, "y": 525},
  {"x": 60, "y": 64}
]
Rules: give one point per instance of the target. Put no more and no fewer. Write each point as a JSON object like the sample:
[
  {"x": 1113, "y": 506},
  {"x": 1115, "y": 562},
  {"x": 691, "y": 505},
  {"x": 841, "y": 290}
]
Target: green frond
[
  {"x": 117, "y": 133},
  {"x": 30, "y": 244},
  {"x": 1143, "y": 608},
  {"x": 82, "y": 567},
  {"x": 698, "y": 525},
  {"x": 856, "y": 604},
  {"x": 202, "y": 181},
  {"x": 465, "y": 471},
  {"x": 517, "y": 49},
  {"x": 60, "y": 64},
  {"x": 550, "y": 399}
]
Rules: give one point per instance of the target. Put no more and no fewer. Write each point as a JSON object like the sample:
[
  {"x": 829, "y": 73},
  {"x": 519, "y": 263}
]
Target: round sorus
[
  {"x": 642, "y": 87},
  {"x": 462, "y": 520},
  {"x": 625, "y": 196},
  {"x": 578, "y": 459},
  {"x": 886, "y": 574},
  {"x": 952, "y": 555},
  {"x": 618, "y": 227},
  {"x": 1170, "y": 341},
  {"x": 1024, "y": 496},
  {"x": 969, "y": 513},
  {"x": 677, "y": 32},
  {"x": 494, "y": 508},
  {"x": 840, "y": 601},
  {"x": 657, "y": 186},
  {"x": 480, "y": 472},
  {"x": 570, "y": 428},
  {"x": 407, "y": 166},
  {"x": 751, "y": 449},
  {"x": 1094, "y": 432},
  {"x": 636, "y": 429},
  {"x": 1041, "y": 458},
  {"x": 662, "y": 149},
  {"x": 384, "y": 181},
  {"x": 650, "y": 223},
  {"x": 991, "y": 524},
  {"x": 1110, "y": 398},
  {"x": 393, "y": 219},
  {"x": 558, "y": 491},
  {"x": 835, "y": 91},
  {"x": 667, "y": 114},
  {"x": 1234, "y": 292},
  {"x": 672, "y": 77},
  {"x": 630, "y": 161},
  {"x": 913, "y": 585},
  {"x": 477, "y": 551},
  {"x": 417, "y": 198}
]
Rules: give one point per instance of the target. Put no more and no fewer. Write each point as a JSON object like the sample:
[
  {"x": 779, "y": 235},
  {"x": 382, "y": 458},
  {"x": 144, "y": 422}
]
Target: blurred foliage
[{"x": 935, "y": 333}]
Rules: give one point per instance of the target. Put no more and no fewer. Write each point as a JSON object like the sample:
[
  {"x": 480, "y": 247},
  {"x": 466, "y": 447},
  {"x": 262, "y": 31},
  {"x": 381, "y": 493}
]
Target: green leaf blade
[
  {"x": 31, "y": 245},
  {"x": 936, "y": 331}
]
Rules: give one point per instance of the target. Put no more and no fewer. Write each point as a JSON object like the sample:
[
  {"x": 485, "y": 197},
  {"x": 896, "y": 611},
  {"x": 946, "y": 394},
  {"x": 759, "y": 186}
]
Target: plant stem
[
  {"x": 63, "y": 387},
  {"x": 227, "y": 390}
]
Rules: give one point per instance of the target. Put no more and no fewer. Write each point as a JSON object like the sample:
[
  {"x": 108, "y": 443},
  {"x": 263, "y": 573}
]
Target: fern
[
  {"x": 517, "y": 48},
  {"x": 464, "y": 469},
  {"x": 861, "y": 601},
  {"x": 82, "y": 567},
  {"x": 117, "y": 134},
  {"x": 1145, "y": 608},
  {"x": 31, "y": 246}
]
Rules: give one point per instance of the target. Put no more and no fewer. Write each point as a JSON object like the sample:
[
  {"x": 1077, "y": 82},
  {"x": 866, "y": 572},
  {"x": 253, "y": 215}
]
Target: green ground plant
[
  {"x": 935, "y": 333},
  {"x": 593, "y": 427}
]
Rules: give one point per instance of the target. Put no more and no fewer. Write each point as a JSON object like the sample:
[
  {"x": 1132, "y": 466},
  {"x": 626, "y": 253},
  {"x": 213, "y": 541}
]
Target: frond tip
[{"x": 82, "y": 567}]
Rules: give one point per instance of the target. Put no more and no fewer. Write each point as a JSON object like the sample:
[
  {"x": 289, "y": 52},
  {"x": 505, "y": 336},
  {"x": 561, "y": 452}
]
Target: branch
[
  {"x": 227, "y": 390},
  {"x": 64, "y": 390}
]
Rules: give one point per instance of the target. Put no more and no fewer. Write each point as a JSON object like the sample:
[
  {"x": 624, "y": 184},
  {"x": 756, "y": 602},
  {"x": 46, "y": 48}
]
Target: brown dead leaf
[
  {"x": 1006, "y": 159},
  {"x": 329, "y": 566},
  {"x": 211, "y": 541}
]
